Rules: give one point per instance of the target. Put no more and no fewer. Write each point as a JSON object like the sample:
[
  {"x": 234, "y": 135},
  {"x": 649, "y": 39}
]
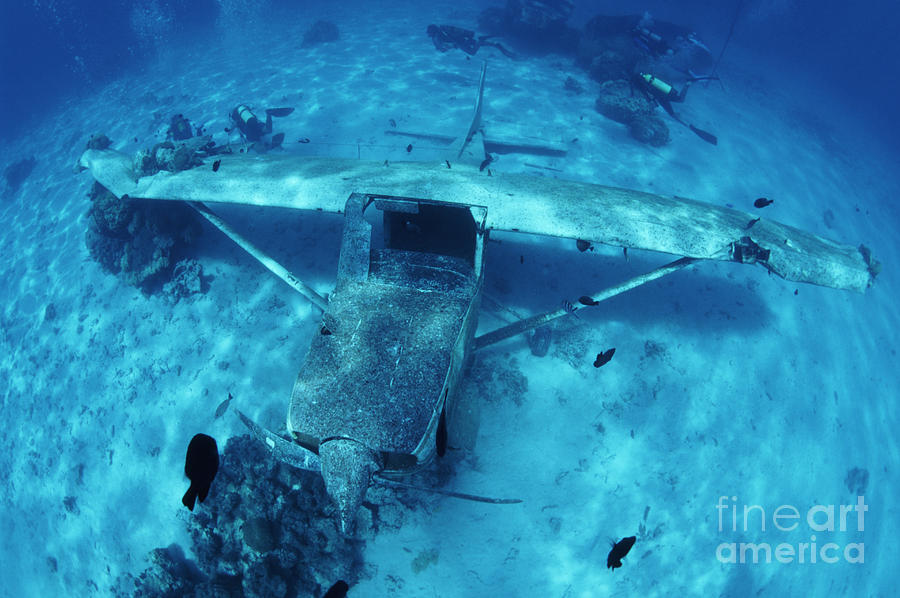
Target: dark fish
[
  {"x": 441, "y": 437},
  {"x": 216, "y": 165},
  {"x": 223, "y": 406},
  {"x": 521, "y": 259},
  {"x": 625, "y": 253},
  {"x": 338, "y": 590},
  {"x": 763, "y": 202},
  {"x": 448, "y": 163},
  {"x": 585, "y": 300},
  {"x": 583, "y": 245},
  {"x": 603, "y": 359},
  {"x": 409, "y": 148},
  {"x": 279, "y": 111},
  {"x": 618, "y": 552},
  {"x": 303, "y": 140},
  {"x": 484, "y": 163},
  {"x": 393, "y": 123},
  {"x": 751, "y": 223},
  {"x": 796, "y": 291},
  {"x": 200, "y": 466},
  {"x": 489, "y": 172}
]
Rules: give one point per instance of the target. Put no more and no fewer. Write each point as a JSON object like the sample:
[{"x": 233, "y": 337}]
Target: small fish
[
  {"x": 484, "y": 163},
  {"x": 441, "y": 436},
  {"x": 521, "y": 259},
  {"x": 490, "y": 173},
  {"x": 763, "y": 202},
  {"x": 409, "y": 148},
  {"x": 585, "y": 300},
  {"x": 338, "y": 590},
  {"x": 223, "y": 406},
  {"x": 583, "y": 245},
  {"x": 303, "y": 140},
  {"x": 796, "y": 291},
  {"x": 625, "y": 253},
  {"x": 393, "y": 123},
  {"x": 216, "y": 165},
  {"x": 385, "y": 162},
  {"x": 603, "y": 359},
  {"x": 448, "y": 163},
  {"x": 200, "y": 466},
  {"x": 618, "y": 552},
  {"x": 751, "y": 223}
]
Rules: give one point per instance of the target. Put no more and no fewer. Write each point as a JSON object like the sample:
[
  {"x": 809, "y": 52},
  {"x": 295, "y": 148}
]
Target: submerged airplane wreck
[
  {"x": 375, "y": 397},
  {"x": 376, "y": 391}
]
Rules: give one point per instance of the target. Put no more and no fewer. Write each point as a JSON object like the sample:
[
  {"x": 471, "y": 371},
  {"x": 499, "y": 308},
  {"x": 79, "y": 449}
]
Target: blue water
[
  {"x": 726, "y": 381},
  {"x": 52, "y": 50}
]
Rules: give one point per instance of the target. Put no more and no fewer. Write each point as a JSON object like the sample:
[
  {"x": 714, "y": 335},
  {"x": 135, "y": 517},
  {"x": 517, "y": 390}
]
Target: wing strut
[
  {"x": 264, "y": 259},
  {"x": 539, "y": 320}
]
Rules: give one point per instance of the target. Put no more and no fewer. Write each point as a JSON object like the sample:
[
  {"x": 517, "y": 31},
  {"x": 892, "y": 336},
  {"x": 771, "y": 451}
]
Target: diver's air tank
[
  {"x": 661, "y": 86},
  {"x": 247, "y": 122}
]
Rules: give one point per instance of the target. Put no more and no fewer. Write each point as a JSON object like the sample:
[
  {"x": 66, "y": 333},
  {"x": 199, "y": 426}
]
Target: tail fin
[
  {"x": 189, "y": 498},
  {"x": 202, "y": 492}
]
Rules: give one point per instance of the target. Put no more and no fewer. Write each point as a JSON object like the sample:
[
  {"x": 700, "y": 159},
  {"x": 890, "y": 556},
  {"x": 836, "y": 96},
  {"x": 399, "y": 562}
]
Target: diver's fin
[
  {"x": 474, "y": 497},
  {"x": 695, "y": 78},
  {"x": 704, "y": 135},
  {"x": 278, "y": 112},
  {"x": 282, "y": 449}
]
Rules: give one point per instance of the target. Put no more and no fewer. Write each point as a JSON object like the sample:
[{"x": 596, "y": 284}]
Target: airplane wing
[{"x": 514, "y": 202}]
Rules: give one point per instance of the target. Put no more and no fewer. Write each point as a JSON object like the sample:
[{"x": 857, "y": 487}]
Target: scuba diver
[
  {"x": 650, "y": 42},
  {"x": 447, "y": 37},
  {"x": 252, "y": 129},
  {"x": 182, "y": 134},
  {"x": 660, "y": 92},
  {"x": 180, "y": 128}
]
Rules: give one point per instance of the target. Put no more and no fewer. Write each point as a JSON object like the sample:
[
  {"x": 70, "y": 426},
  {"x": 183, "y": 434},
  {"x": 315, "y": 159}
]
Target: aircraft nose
[{"x": 347, "y": 468}]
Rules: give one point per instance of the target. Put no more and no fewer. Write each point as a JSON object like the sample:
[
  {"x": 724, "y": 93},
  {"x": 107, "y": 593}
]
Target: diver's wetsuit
[{"x": 447, "y": 37}]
